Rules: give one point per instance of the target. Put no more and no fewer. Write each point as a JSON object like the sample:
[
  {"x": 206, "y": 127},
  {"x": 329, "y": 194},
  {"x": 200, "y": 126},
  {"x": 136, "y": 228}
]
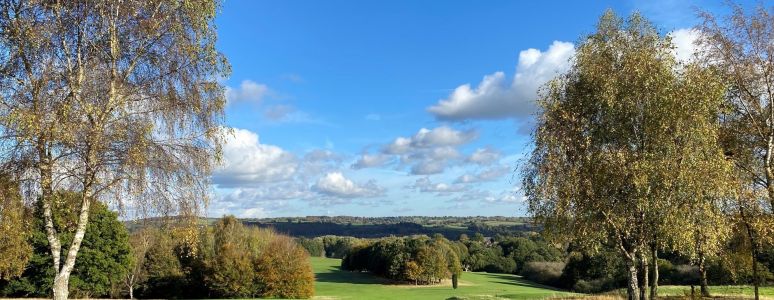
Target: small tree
[
  {"x": 14, "y": 248},
  {"x": 283, "y": 270},
  {"x": 141, "y": 242},
  {"x": 413, "y": 271}
]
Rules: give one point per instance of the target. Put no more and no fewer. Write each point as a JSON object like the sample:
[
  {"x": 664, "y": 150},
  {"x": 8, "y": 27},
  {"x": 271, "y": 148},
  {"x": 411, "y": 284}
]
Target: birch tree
[
  {"x": 118, "y": 100},
  {"x": 622, "y": 139},
  {"x": 740, "y": 44}
]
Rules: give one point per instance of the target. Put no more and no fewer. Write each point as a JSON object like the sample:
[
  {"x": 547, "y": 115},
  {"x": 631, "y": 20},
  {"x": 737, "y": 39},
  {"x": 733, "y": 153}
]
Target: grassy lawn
[
  {"x": 333, "y": 283},
  {"x": 732, "y": 290}
]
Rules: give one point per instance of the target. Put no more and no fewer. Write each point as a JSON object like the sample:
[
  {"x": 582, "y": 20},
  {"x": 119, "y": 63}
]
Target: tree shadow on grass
[
  {"x": 337, "y": 275},
  {"x": 517, "y": 281}
]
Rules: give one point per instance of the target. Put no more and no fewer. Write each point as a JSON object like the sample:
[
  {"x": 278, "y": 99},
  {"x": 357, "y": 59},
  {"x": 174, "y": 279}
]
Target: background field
[{"x": 333, "y": 283}]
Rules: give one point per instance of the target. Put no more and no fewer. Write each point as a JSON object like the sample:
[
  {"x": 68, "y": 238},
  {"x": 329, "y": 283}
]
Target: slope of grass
[{"x": 333, "y": 283}]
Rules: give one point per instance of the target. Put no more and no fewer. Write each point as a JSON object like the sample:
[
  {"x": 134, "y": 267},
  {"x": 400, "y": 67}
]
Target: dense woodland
[{"x": 364, "y": 227}]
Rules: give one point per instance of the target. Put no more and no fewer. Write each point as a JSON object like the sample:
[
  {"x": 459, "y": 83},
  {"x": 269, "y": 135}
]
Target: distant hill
[{"x": 372, "y": 227}]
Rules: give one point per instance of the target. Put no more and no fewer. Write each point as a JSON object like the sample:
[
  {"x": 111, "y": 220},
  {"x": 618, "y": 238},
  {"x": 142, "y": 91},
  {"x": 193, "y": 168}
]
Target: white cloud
[
  {"x": 248, "y": 91},
  {"x": 336, "y": 185},
  {"x": 428, "y": 151},
  {"x": 490, "y": 174},
  {"x": 428, "y": 167},
  {"x": 430, "y": 138},
  {"x": 484, "y": 156},
  {"x": 487, "y": 197},
  {"x": 248, "y": 162},
  {"x": 684, "y": 41},
  {"x": 425, "y": 185},
  {"x": 496, "y": 98}
]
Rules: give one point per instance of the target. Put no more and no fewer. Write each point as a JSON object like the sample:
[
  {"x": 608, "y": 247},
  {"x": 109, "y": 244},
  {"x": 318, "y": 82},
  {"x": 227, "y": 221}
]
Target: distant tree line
[{"x": 450, "y": 227}]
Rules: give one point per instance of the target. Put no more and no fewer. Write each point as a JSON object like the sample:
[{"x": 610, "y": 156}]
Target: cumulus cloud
[
  {"x": 248, "y": 91},
  {"x": 428, "y": 167},
  {"x": 336, "y": 185},
  {"x": 429, "y": 151},
  {"x": 684, "y": 41},
  {"x": 425, "y": 185},
  {"x": 430, "y": 138},
  {"x": 497, "y": 98},
  {"x": 248, "y": 162},
  {"x": 490, "y": 174},
  {"x": 484, "y": 156}
]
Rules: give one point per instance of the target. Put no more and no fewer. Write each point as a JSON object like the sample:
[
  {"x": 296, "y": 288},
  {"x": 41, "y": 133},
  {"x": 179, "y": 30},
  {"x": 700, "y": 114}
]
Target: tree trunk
[
  {"x": 753, "y": 252},
  {"x": 633, "y": 289},
  {"x": 703, "y": 272},
  {"x": 644, "y": 269},
  {"x": 131, "y": 292},
  {"x": 654, "y": 282},
  {"x": 61, "y": 290}
]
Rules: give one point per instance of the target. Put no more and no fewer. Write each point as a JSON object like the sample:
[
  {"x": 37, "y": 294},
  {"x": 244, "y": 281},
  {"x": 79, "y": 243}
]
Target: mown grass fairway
[{"x": 333, "y": 283}]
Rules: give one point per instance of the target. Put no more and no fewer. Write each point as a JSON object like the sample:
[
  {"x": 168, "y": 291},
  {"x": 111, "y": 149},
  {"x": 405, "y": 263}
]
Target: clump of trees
[
  {"x": 102, "y": 263},
  {"x": 417, "y": 259},
  {"x": 225, "y": 260},
  {"x": 638, "y": 154}
]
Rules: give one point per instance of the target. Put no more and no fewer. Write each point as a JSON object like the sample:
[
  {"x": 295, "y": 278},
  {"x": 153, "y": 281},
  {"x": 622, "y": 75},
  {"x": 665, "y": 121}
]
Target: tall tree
[
  {"x": 740, "y": 45},
  {"x": 119, "y": 100},
  {"x": 626, "y": 138}
]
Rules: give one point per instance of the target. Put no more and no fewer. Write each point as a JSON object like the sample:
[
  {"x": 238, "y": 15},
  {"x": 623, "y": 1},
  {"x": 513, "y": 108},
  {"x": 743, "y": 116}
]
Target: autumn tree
[
  {"x": 119, "y": 100},
  {"x": 230, "y": 266},
  {"x": 413, "y": 271},
  {"x": 740, "y": 46},
  {"x": 283, "y": 270},
  {"x": 14, "y": 225},
  {"x": 141, "y": 242},
  {"x": 626, "y": 138}
]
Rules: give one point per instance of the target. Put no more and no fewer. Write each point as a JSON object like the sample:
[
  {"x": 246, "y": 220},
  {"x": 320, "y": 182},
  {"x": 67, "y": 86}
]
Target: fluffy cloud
[
  {"x": 490, "y": 174},
  {"x": 248, "y": 91},
  {"x": 484, "y": 156},
  {"x": 248, "y": 162},
  {"x": 336, "y": 185},
  {"x": 497, "y": 98},
  {"x": 684, "y": 41},
  {"x": 425, "y": 185},
  {"x": 430, "y": 138},
  {"x": 429, "y": 151}
]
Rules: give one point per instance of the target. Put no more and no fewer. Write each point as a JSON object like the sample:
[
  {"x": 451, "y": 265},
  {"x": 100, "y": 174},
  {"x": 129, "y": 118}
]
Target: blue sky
[{"x": 381, "y": 108}]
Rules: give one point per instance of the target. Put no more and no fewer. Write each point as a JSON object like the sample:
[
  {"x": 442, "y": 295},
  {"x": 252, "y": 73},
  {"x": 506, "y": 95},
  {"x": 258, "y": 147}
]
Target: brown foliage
[{"x": 284, "y": 270}]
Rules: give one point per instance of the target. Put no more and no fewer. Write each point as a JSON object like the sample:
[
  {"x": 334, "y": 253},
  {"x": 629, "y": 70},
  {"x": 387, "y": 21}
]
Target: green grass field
[
  {"x": 333, "y": 283},
  {"x": 733, "y": 290}
]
